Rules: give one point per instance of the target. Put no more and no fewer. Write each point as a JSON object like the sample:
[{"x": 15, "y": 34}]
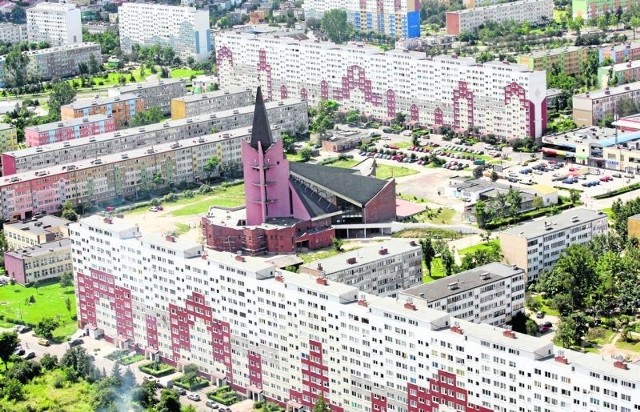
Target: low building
[
  {"x": 532, "y": 11},
  {"x": 619, "y": 74},
  {"x": 210, "y": 102},
  {"x": 156, "y": 93},
  {"x": 590, "y": 108},
  {"x": 490, "y": 294},
  {"x": 44, "y": 229},
  {"x": 40, "y": 262},
  {"x": 68, "y": 130},
  {"x": 13, "y": 33},
  {"x": 536, "y": 246},
  {"x": 122, "y": 108},
  {"x": 341, "y": 141},
  {"x": 619, "y": 53},
  {"x": 383, "y": 269},
  {"x": 566, "y": 59},
  {"x": 8, "y": 137}
]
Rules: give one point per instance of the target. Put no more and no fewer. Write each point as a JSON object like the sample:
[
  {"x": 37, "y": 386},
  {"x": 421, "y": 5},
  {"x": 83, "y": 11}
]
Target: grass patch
[
  {"x": 117, "y": 355},
  {"x": 318, "y": 254},
  {"x": 491, "y": 245},
  {"x": 441, "y": 215},
  {"x": 434, "y": 233},
  {"x": 231, "y": 196},
  {"x": 49, "y": 303},
  {"x": 388, "y": 171},
  {"x": 622, "y": 190},
  {"x": 632, "y": 345},
  {"x": 182, "y": 228},
  {"x": 157, "y": 369},
  {"x": 184, "y": 73},
  {"x": 128, "y": 360},
  {"x": 599, "y": 336},
  {"x": 607, "y": 211},
  {"x": 437, "y": 271},
  {"x": 224, "y": 395},
  {"x": 294, "y": 157},
  {"x": 344, "y": 163},
  {"x": 414, "y": 199},
  {"x": 198, "y": 383},
  {"x": 544, "y": 306}
]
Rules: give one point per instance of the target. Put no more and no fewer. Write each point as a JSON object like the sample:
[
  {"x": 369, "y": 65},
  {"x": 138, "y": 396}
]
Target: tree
[
  {"x": 190, "y": 372},
  {"x": 352, "y": 116},
  {"x": 574, "y": 196},
  {"x": 477, "y": 172},
  {"x": 61, "y": 93},
  {"x": 116, "y": 373},
  {"x": 150, "y": 116},
  {"x": 66, "y": 280},
  {"x": 635, "y": 24},
  {"x": 494, "y": 176},
  {"x": 93, "y": 65},
  {"x": 337, "y": 244},
  {"x": 336, "y": 27},
  {"x": 211, "y": 166},
  {"x": 428, "y": 252},
  {"x": 45, "y": 327},
  {"x": 68, "y": 212},
  {"x": 321, "y": 405},
  {"x": 514, "y": 201},
  {"x": 306, "y": 153},
  {"x": 399, "y": 119},
  {"x": 67, "y": 303},
  {"x": 78, "y": 363},
  {"x": 169, "y": 401},
  {"x": 571, "y": 329},
  {"x": 15, "y": 67},
  {"x": 482, "y": 214},
  {"x": 49, "y": 362},
  {"x": 448, "y": 260},
  {"x": 12, "y": 389},
  {"x": 128, "y": 380},
  {"x": 8, "y": 343}
]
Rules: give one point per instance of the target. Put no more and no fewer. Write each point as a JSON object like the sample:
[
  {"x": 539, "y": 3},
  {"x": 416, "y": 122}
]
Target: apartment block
[
  {"x": 13, "y": 33},
  {"x": 205, "y": 103},
  {"x": 591, "y": 107},
  {"x": 619, "y": 53},
  {"x": 567, "y": 59},
  {"x": 288, "y": 115},
  {"x": 532, "y": 11},
  {"x": 57, "y": 62},
  {"x": 399, "y": 19},
  {"x": 122, "y": 108},
  {"x": 490, "y": 294},
  {"x": 592, "y": 9},
  {"x": 156, "y": 93},
  {"x": 536, "y": 246},
  {"x": 58, "y": 24},
  {"x": 104, "y": 178},
  {"x": 507, "y": 100},
  {"x": 39, "y": 263},
  {"x": 619, "y": 74},
  {"x": 8, "y": 137},
  {"x": 289, "y": 339},
  {"x": 383, "y": 270},
  {"x": 43, "y": 229},
  {"x": 72, "y": 129},
  {"x": 184, "y": 29}
]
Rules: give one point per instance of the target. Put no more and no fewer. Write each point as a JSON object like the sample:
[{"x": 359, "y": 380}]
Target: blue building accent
[
  {"x": 356, "y": 21},
  {"x": 197, "y": 42},
  {"x": 209, "y": 45},
  {"x": 369, "y": 21},
  {"x": 413, "y": 24},
  {"x": 380, "y": 23}
]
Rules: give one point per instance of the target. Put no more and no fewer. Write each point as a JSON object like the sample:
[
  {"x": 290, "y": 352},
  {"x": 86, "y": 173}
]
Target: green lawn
[
  {"x": 224, "y": 197},
  {"x": 344, "y": 163},
  {"x": 471, "y": 249},
  {"x": 607, "y": 211},
  {"x": 318, "y": 254},
  {"x": 387, "y": 171},
  {"x": 445, "y": 216},
  {"x": 545, "y": 307},
  {"x": 294, "y": 157},
  {"x": 599, "y": 336},
  {"x": 182, "y": 228},
  {"x": 413, "y": 199},
  {"x": 184, "y": 73},
  {"x": 634, "y": 345},
  {"x": 437, "y": 271},
  {"x": 435, "y": 233},
  {"x": 50, "y": 302},
  {"x": 42, "y": 395}
]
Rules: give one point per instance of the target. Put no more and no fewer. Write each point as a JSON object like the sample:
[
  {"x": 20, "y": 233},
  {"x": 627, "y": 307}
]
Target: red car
[{"x": 606, "y": 178}]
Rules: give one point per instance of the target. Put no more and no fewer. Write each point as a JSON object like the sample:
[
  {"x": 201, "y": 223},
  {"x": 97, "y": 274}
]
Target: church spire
[{"x": 260, "y": 131}]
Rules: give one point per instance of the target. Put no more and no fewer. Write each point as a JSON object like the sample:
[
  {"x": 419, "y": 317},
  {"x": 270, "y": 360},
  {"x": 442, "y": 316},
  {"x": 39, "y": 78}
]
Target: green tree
[
  {"x": 477, "y": 172},
  {"x": 482, "y": 214},
  {"x": 448, "y": 260},
  {"x": 49, "y": 362},
  {"x": 190, "y": 372},
  {"x": 352, "y": 116},
  {"x": 150, "y": 116},
  {"x": 337, "y": 244},
  {"x": 211, "y": 166},
  {"x": 494, "y": 176},
  {"x": 15, "y": 68},
  {"x": 574, "y": 196},
  {"x": 45, "y": 327},
  {"x": 306, "y": 153},
  {"x": 93, "y": 65},
  {"x": 572, "y": 329},
  {"x": 12, "y": 389},
  {"x": 61, "y": 93},
  {"x": 321, "y": 405},
  {"x": 66, "y": 280},
  {"x": 428, "y": 252},
  {"x": 635, "y": 24},
  {"x": 514, "y": 201},
  {"x": 8, "y": 343},
  {"x": 78, "y": 364},
  {"x": 336, "y": 27},
  {"x": 68, "y": 212},
  {"x": 169, "y": 401},
  {"x": 116, "y": 373}
]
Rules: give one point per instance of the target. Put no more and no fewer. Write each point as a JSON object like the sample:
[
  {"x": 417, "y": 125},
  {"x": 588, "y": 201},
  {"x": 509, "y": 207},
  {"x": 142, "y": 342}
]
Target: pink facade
[
  {"x": 23, "y": 199},
  {"x": 443, "y": 392},
  {"x": 14, "y": 267},
  {"x": 68, "y": 130}
]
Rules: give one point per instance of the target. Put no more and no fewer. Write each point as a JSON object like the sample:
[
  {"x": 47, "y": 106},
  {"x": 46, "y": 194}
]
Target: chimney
[
  {"x": 320, "y": 267},
  {"x": 509, "y": 334},
  {"x": 203, "y": 257},
  {"x": 409, "y": 304},
  {"x": 363, "y": 301},
  {"x": 108, "y": 220},
  {"x": 322, "y": 281},
  {"x": 351, "y": 261},
  {"x": 560, "y": 358},
  {"x": 240, "y": 258},
  {"x": 170, "y": 238},
  {"x": 620, "y": 365},
  {"x": 279, "y": 278},
  {"x": 383, "y": 251},
  {"x": 457, "y": 329},
  {"x": 413, "y": 243}
]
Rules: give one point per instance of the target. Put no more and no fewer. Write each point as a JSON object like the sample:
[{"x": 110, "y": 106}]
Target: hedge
[
  {"x": 128, "y": 360},
  {"x": 199, "y": 384},
  {"x": 163, "y": 371},
  {"x": 617, "y": 192},
  {"x": 525, "y": 216},
  {"x": 224, "y": 395}
]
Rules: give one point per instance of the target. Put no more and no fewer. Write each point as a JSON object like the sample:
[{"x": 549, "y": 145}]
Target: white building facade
[
  {"x": 500, "y": 98},
  {"x": 58, "y": 24},
  {"x": 184, "y": 29},
  {"x": 291, "y": 339},
  {"x": 13, "y": 33}
]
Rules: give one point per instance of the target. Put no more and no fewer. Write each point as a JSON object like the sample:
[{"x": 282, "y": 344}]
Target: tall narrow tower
[{"x": 266, "y": 171}]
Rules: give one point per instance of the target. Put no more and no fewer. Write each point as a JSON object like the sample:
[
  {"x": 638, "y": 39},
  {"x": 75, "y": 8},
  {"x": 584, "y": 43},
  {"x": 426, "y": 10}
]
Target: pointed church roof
[{"x": 260, "y": 131}]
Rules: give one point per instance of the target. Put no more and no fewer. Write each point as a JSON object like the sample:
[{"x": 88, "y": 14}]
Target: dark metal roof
[
  {"x": 343, "y": 182},
  {"x": 316, "y": 205},
  {"x": 260, "y": 131}
]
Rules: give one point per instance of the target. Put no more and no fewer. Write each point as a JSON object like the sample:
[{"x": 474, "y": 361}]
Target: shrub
[
  {"x": 157, "y": 369},
  {"x": 128, "y": 360}
]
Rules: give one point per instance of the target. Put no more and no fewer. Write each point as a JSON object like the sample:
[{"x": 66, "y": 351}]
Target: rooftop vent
[
  {"x": 561, "y": 358},
  {"x": 108, "y": 220},
  {"x": 170, "y": 238},
  {"x": 362, "y": 301},
  {"x": 322, "y": 281},
  {"x": 508, "y": 333},
  {"x": 351, "y": 260},
  {"x": 408, "y": 304},
  {"x": 453, "y": 285},
  {"x": 457, "y": 329},
  {"x": 383, "y": 251},
  {"x": 485, "y": 276},
  {"x": 279, "y": 278}
]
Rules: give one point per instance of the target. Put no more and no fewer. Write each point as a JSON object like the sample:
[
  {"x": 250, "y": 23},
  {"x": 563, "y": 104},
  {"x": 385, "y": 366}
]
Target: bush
[
  {"x": 224, "y": 395},
  {"x": 157, "y": 369},
  {"x": 117, "y": 355},
  {"x": 128, "y": 360},
  {"x": 199, "y": 383}
]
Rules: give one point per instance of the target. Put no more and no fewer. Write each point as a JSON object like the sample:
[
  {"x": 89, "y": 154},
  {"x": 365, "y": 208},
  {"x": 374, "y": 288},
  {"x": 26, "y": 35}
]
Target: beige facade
[
  {"x": 568, "y": 59},
  {"x": 633, "y": 226},
  {"x": 40, "y": 262},
  {"x": 35, "y": 232},
  {"x": 205, "y": 103},
  {"x": 591, "y": 107}
]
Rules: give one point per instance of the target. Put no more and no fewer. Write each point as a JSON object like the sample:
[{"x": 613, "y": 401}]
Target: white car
[{"x": 193, "y": 396}]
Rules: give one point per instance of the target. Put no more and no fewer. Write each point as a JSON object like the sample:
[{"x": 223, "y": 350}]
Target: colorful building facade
[
  {"x": 72, "y": 129},
  {"x": 121, "y": 108}
]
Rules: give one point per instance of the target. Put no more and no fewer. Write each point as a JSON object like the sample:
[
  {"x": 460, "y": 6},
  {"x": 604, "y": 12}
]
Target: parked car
[
  {"x": 629, "y": 176},
  {"x": 540, "y": 315},
  {"x": 182, "y": 392},
  {"x": 43, "y": 342},
  {"x": 29, "y": 355},
  {"x": 547, "y": 324},
  {"x": 606, "y": 178},
  {"x": 19, "y": 351},
  {"x": 153, "y": 209},
  {"x": 543, "y": 329},
  {"x": 76, "y": 342},
  {"x": 193, "y": 397},
  {"x": 212, "y": 405},
  {"x": 569, "y": 181},
  {"x": 618, "y": 175}
]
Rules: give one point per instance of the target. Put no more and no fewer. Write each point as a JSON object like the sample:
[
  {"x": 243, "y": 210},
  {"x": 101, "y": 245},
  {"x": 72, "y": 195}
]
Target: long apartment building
[
  {"x": 382, "y": 270},
  {"x": 619, "y": 74},
  {"x": 490, "y": 294},
  {"x": 13, "y": 33},
  {"x": 184, "y": 29},
  {"x": 591, "y": 107},
  {"x": 8, "y": 137},
  {"x": 156, "y": 93},
  {"x": 122, "y": 108},
  {"x": 567, "y": 59},
  {"x": 288, "y": 115},
  {"x": 205, "y": 103},
  {"x": 39, "y": 263},
  {"x": 36, "y": 231},
  {"x": 500, "y": 98},
  {"x": 592, "y": 9},
  {"x": 56, "y": 62},
  {"x": 619, "y": 53},
  {"x": 536, "y": 246},
  {"x": 105, "y": 178},
  {"x": 290, "y": 339},
  {"x": 58, "y": 24},
  {"x": 532, "y": 11},
  {"x": 64, "y": 130},
  {"x": 398, "y": 19}
]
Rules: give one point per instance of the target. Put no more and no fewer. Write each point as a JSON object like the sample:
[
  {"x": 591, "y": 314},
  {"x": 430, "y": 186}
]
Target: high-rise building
[
  {"x": 289, "y": 338},
  {"x": 507, "y": 100},
  {"x": 13, "y": 33},
  {"x": 58, "y": 24},
  {"x": 397, "y": 18},
  {"x": 184, "y": 29}
]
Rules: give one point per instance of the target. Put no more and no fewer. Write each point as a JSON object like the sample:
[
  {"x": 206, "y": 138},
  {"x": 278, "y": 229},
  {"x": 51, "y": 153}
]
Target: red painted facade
[
  {"x": 515, "y": 91},
  {"x": 443, "y": 391},
  {"x": 378, "y": 403},
  {"x": 382, "y": 207},
  {"x": 265, "y": 67},
  {"x": 152, "y": 331},
  {"x": 255, "y": 369},
  {"x": 462, "y": 93}
]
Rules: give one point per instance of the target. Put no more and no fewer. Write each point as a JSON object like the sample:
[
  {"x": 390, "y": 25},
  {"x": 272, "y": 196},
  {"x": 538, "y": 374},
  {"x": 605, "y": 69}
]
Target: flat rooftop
[
  {"x": 553, "y": 52},
  {"x": 134, "y": 87},
  {"x": 463, "y": 282},
  {"x": 84, "y": 103},
  {"x": 42, "y": 249},
  {"x": 565, "y": 220},
  {"x": 584, "y": 135},
  {"x": 39, "y": 225},
  {"x": 609, "y": 91},
  {"x": 68, "y": 123},
  {"x": 211, "y": 95}
]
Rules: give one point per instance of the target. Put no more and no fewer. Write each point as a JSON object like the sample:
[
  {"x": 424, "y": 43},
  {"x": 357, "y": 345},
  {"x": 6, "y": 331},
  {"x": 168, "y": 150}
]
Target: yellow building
[
  {"x": 8, "y": 137},
  {"x": 566, "y": 58}
]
